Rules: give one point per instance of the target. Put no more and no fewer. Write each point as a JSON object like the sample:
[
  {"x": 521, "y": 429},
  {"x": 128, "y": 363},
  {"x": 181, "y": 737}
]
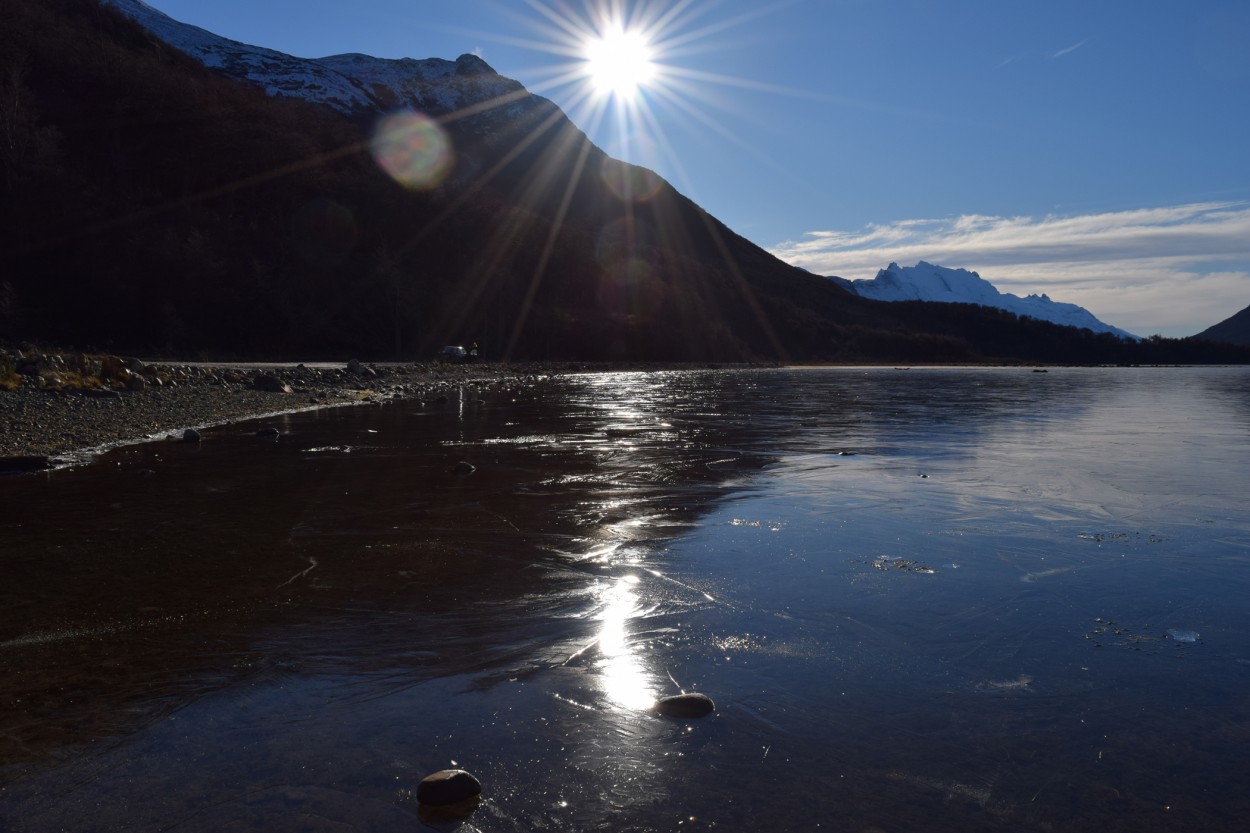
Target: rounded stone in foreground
[
  {"x": 190, "y": 435},
  {"x": 448, "y": 786},
  {"x": 693, "y": 704}
]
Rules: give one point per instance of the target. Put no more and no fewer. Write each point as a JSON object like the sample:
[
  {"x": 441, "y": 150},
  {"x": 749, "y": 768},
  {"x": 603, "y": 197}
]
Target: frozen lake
[{"x": 940, "y": 599}]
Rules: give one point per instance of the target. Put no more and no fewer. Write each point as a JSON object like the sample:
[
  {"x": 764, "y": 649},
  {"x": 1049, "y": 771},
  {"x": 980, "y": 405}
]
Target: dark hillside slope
[
  {"x": 150, "y": 205},
  {"x": 158, "y": 207},
  {"x": 1233, "y": 330}
]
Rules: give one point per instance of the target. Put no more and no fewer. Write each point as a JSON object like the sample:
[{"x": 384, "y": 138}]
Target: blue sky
[{"x": 1095, "y": 151}]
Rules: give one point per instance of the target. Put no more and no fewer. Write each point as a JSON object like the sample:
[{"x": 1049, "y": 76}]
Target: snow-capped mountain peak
[
  {"x": 352, "y": 84},
  {"x": 929, "y": 282}
]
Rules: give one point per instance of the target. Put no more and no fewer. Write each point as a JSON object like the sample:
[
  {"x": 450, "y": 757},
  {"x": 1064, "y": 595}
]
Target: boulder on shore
[{"x": 269, "y": 382}]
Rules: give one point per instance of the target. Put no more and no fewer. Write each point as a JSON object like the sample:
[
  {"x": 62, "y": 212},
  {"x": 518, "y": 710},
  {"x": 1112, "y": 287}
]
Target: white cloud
[
  {"x": 1068, "y": 50},
  {"x": 1173, "y": 270}
]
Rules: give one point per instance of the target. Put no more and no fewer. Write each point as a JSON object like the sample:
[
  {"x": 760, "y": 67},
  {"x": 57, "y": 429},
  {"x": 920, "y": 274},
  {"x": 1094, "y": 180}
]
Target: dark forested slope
[{"x": 1233, "y": 330}]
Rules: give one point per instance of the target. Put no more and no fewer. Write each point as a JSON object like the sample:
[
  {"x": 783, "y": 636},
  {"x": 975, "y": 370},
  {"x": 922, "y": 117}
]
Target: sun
[{"x": 618, "y": 62}]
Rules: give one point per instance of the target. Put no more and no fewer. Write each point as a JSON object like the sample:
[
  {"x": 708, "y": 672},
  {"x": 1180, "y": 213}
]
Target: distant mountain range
[
  {"x": 927, "y": 282},
  {"x": 166, "y": 191}
]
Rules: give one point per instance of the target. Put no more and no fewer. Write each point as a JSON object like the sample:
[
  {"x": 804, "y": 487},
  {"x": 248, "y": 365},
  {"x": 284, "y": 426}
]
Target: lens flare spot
[
  {"x": 622, "y": 240},
  {"x": 628, "y": 288},
  {"x": 413, "y": 149}
]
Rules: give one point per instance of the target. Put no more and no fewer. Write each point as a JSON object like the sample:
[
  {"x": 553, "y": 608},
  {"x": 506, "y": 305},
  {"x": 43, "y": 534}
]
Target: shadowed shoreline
[
  {"x": 56, "y": 425},
  {"x": 48, "y": 427}
]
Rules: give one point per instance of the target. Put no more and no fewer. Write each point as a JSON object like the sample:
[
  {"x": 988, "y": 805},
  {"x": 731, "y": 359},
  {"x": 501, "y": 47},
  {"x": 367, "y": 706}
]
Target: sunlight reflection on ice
[{"x": 626, "y": 681}]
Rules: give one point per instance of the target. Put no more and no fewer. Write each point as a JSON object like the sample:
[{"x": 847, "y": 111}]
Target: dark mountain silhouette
[
  {"x": 152, "y": 205},
  {"x": 1232, "y": 330}
]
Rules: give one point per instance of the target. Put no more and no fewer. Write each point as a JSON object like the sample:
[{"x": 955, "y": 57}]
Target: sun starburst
[
  {"x": 619, "y": 61},
  {"x": 629, "y": 74}
]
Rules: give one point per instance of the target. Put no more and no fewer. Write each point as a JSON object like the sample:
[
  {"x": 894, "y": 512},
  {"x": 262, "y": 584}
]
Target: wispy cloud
[
  {"x": 1173, "y": 270},
  {"x": 1068, "y": 50}
]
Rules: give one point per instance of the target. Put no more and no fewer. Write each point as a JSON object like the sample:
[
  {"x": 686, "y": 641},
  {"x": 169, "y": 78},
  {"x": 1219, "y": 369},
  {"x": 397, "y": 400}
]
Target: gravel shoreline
[{"x": 44, "y": 425}]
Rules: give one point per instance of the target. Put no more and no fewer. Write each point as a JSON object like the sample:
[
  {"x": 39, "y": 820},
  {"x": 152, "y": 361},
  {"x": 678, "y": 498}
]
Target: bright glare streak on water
[{"x": 626, "y": 680}]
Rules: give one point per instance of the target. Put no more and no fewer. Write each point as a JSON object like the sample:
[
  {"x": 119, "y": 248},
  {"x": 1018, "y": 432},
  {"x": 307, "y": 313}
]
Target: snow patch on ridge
[{"x": 349, "y": 83}]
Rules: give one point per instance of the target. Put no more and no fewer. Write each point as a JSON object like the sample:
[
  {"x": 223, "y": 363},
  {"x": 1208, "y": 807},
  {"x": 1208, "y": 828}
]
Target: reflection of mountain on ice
[{"x": 927, "y": 282}]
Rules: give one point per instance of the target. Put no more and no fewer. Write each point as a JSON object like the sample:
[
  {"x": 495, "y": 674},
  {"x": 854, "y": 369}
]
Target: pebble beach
[{"x": 59, "y": 406}]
